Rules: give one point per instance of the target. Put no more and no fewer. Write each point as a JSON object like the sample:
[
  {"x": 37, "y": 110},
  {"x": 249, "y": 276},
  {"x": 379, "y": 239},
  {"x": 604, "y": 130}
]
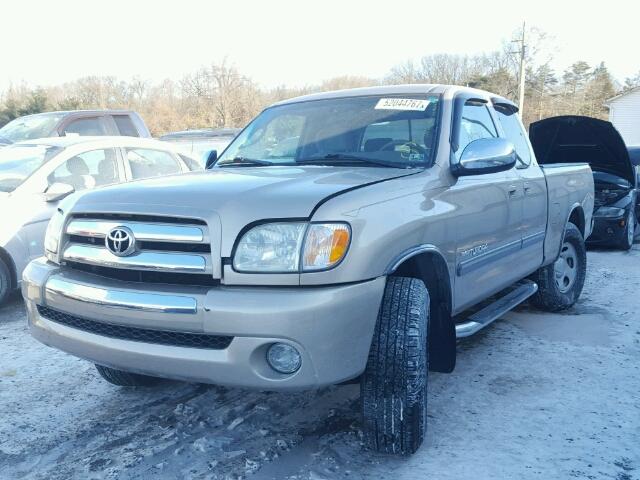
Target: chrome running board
[{"x": 477, "y": 321}]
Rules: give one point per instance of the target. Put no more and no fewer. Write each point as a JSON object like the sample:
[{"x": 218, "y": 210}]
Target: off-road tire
[
  {"x": 5, "y": 282},
  {"x": 394, "y": 384},
  {"x": 549, "y": 297},
  {"x": 126, "y": 379}
]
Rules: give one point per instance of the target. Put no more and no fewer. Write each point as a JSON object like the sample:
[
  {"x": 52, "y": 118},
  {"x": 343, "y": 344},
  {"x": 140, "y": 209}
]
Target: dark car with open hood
[{"x": 577, "y": 139}]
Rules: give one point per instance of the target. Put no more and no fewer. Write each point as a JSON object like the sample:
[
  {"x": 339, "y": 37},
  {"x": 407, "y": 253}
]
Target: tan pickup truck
[{"x": 343, "y": 236}]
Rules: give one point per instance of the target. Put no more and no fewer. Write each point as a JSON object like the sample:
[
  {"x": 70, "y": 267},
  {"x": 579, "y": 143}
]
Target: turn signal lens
[{"x": 325, "y": 245}]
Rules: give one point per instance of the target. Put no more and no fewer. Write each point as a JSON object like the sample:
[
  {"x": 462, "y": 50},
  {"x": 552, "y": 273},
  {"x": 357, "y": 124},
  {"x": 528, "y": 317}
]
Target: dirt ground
[{"x": 533, "y": 396}]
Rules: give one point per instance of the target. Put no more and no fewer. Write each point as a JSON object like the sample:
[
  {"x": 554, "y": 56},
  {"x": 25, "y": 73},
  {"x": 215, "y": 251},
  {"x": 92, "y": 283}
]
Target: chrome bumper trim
[
  {"x": 142, "y": 231},
  {"x": 146, "y": 302},
  {"x": 146, "y": 260}
]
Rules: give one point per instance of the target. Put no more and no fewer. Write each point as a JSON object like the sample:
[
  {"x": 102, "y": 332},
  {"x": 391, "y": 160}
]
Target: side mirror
[
  {"x": 212, "y": 158},
  {"x": 485, "y": 155},
  {"x": 57, "y": 191}
]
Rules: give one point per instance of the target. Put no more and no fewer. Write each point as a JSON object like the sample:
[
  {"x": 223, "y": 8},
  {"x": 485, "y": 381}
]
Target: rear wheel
[
  {"x": 629, "y": 233},
  {"x": 560, "y": 283},
  {"x": 394, "y": 384},
  {"x": 5, "y": 282},
  {"x": 126, "y": 379}
]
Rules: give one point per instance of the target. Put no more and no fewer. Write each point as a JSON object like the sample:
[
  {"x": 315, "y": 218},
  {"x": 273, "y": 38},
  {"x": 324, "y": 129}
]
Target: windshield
[
  {"x": 30, "y": 127},
  {"x": 18, "y": 162},
  {"x": 385, "y": 130}
]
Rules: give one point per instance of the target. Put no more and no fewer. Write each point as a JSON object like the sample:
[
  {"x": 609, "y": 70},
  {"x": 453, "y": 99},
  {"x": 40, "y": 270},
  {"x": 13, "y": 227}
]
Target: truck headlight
[
  {"x": 609, "y": 212},
  {"x": 53, "y": 234},
  {"x": 290, "y": 247}
]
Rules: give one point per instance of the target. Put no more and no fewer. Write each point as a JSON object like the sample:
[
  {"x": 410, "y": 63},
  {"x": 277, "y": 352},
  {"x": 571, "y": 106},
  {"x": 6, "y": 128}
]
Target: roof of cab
[
  {"x": 80, "y": 112},
  {"x": 115, "y": 141},
  {"x": 416, "y": 88}
]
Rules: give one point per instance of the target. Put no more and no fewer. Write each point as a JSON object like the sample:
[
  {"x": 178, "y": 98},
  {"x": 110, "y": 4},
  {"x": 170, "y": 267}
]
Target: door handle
[{"x": 512, "y": 190}]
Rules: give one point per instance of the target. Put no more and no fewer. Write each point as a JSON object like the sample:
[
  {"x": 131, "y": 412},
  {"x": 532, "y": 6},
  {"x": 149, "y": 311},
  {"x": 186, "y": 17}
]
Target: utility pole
[{"x": 521, "y": 79}]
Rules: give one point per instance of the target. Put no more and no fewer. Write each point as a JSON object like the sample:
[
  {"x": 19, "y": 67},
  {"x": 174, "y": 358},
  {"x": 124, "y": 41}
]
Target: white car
[{"x": 36, "y": 174}]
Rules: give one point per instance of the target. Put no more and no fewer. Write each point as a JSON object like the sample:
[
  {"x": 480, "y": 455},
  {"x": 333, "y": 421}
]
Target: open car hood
[{"x": 577, "y": 139}]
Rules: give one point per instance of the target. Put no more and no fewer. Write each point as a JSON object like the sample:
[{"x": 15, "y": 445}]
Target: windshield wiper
[
  {"x": 341, "y": 158},
  {"x": 244, "y": 162}
]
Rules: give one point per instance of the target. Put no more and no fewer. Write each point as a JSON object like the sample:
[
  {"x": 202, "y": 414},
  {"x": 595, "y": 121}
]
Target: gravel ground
[{"x": 533, "y": 396}]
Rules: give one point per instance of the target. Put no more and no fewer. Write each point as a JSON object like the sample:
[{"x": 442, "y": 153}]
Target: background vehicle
[
  {"x": 35, "y": 175},
  {"x": 342, "y": 236},
  {"x": 74, "y": 122},
  {"x": 634, "y": 155},
  {"x": 198, "y": 143},
  {"x": 577, "y": 139}
]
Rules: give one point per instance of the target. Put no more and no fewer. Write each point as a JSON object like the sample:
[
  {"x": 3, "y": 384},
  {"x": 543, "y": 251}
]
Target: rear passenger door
[
  {"x": 147, "y": 163},
  {"x": 533, "y": 202}
]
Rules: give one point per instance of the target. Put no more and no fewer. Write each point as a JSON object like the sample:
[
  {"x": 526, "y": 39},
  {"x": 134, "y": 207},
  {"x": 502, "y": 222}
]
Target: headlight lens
[
  {"x": 609, "y": 212},
  {"x": 273, "y": 247},
  {"x": 52, "y": 235},
  {"x": 279, "y": 247}
]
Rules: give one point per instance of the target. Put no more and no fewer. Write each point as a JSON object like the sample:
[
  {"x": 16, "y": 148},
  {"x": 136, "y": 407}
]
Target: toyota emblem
[{"x": 120, "y": 241}]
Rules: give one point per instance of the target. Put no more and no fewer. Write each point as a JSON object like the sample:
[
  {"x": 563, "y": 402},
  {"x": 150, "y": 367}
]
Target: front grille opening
[
  {"x": 140, "y": 218},
  {"x": 123, "y": 332},
  {"x": 193, "y": 279},
  {"x": 149, "y": 245}
]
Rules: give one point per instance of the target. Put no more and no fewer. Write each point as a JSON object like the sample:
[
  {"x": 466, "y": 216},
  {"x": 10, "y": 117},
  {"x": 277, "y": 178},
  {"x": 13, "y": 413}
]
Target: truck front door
[{"x": 488, "y": 220}]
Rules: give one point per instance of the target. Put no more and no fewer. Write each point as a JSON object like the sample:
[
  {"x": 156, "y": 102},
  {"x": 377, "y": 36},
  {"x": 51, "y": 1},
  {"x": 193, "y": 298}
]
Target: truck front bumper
[{"x": 142, "y": 328}]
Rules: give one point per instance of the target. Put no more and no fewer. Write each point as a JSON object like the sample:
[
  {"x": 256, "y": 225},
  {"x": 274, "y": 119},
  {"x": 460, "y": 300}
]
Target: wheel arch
[
  {"x": 428, "y": 264},
  {"x": 577, "y": 217}
]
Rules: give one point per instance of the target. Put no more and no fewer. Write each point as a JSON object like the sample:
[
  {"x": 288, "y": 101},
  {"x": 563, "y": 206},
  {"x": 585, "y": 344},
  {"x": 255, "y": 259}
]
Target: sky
[{"x": 293, "y": 43}]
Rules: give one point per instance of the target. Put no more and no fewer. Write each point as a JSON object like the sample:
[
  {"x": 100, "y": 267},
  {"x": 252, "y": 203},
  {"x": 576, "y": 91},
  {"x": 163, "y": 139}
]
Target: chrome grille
[{"x": 163, "y": 245}]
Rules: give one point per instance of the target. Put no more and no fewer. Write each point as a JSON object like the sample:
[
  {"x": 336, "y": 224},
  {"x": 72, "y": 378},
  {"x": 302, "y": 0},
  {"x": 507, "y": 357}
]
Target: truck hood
[
  {"x": 236, "y": 194},
  {"x": 577, "y": 139}
]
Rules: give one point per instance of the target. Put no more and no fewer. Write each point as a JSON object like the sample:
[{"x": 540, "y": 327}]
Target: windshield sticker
[{"x": 402, "y": 104}]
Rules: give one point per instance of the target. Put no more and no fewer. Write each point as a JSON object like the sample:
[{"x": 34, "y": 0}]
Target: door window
[
  {"x": 86, "y": 127},
  {"x": 146, "y": 163},
  {"x": 125, "y": 126},
  {"x": 88, "y": 170},
  {"x": 476, "y": 123},
  {"x": 512, "y": 128}
]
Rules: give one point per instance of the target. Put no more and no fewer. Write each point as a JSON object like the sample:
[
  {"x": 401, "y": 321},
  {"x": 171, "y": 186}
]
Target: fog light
[{"x": 284, "y": 358}]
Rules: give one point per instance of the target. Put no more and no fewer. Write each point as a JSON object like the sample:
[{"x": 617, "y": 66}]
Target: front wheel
[
  {"x": 560, "y": 283},
  {"x": 5, "y": 282},
  {"x": 394, "y": 384}
]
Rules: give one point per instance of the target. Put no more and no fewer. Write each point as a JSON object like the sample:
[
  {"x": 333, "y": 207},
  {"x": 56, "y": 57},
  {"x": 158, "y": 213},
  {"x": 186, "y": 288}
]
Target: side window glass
[
  {"x": 514, "y": 132},
  {"x": 88, "y": 170},
  {"x": 86, "y": 127},
  {"x": 125, "y": 126},
  {"x": 146, "y": 163},
  {"x": 475, "y": 124}
]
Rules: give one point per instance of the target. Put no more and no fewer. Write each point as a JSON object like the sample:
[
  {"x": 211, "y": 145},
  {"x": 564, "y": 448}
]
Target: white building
[{"x": 624, "y": 113}]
